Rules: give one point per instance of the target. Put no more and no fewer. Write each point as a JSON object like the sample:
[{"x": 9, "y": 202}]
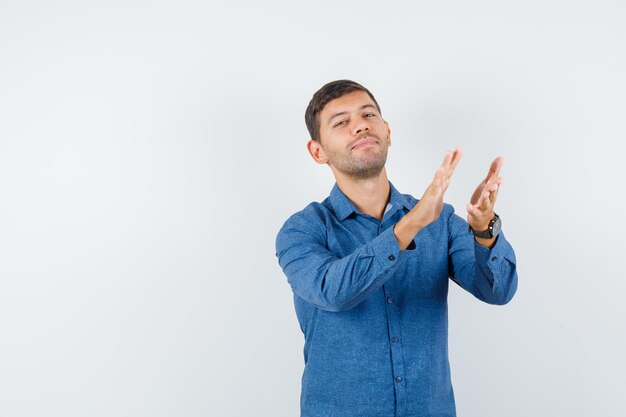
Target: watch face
[{"x": 497, "y": 225}]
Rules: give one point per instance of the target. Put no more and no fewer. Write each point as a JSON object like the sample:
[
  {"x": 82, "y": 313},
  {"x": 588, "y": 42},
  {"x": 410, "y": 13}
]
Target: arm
[
  {"x": 484, "y": 267},
  {"x": 335, "y": 284},
  {"x": 429, "y": 207},
  {"x": 320, "y": 277},
  {"x": 489, "y": 274}
]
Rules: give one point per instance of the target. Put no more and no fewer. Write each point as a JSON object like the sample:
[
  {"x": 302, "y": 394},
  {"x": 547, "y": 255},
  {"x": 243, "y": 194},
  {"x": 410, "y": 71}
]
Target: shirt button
[
  {"x": 391, "y": 257},
  {"x": 495, "y": 258},
  {"x": 394, "y": 339},
  {"x": 389, "y": 300},
  {"x": 398, "y": 379}
]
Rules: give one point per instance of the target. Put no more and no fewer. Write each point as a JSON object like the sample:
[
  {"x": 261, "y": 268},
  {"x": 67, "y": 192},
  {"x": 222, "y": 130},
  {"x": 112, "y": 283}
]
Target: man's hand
[
  {"x": 480, "y": 209},
  {"x": 428, "y": 209}
]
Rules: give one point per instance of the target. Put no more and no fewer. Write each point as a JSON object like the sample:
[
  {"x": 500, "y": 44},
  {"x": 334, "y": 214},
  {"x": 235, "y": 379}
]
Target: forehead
[{"x": 348, "y": 102}]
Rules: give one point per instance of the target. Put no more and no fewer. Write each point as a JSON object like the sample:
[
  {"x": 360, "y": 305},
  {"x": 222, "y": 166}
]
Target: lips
[{"x": 365, "y": 142}]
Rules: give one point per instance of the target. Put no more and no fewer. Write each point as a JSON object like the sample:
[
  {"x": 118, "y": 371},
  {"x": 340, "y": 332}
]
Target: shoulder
[
  {"x": 447, "y": 210},
  {"x": 311, "y": 220},
  {"x": 410, "y": 200},
  {"x": 449, "y": 215}
]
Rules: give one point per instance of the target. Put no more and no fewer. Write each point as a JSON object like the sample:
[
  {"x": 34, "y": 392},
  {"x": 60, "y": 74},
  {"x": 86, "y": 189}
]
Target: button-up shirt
[{"x": 374, "y": 317}]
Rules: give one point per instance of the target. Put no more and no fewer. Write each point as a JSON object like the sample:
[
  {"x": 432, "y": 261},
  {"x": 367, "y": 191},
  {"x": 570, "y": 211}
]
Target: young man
[{"x": 369, "y": 268}]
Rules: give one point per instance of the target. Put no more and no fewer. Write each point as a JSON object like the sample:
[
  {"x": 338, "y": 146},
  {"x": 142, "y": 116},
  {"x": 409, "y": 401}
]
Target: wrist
[
  {"x": 488, "y": 243},
  {"x": 480, "y": 223},
  {"x": 490, "y": 231},
  {"x": 405, "y": 230},
  {"x": 414, "y": 222},
  {"x": 480, "y": 226}
]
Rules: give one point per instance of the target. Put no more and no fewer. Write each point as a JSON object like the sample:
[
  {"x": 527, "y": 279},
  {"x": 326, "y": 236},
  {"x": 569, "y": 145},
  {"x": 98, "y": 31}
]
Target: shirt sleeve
[
  {"x": 320, "y": 277},
  {"x": 489, "y": 274}
]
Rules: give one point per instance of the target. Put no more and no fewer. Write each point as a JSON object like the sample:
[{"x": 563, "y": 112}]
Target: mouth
[{"x": 362, "y": 143}]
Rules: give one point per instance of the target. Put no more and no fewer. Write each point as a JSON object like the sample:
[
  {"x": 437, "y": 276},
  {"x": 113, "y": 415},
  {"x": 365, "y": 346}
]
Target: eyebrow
[{"x": 365, "y": 106}]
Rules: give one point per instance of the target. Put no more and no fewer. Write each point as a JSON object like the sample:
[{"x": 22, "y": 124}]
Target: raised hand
[
  {"x": 480, "y": 208},
  {"x": 432, "y": 200},
  {"x": 428, "y": 209}
]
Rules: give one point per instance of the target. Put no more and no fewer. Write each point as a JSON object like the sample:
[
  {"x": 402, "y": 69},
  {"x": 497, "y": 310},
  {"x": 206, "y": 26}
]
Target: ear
[{"x": 316, "y": 151}]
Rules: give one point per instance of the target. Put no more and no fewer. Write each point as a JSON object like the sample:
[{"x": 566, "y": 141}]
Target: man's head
[
  {"x": 323, "y": 96},
  {"x": 347, "y": 130}
]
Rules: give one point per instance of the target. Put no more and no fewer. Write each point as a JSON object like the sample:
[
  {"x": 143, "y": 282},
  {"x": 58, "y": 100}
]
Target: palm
[
  {"x": 480, "y": 208},
  {"x": 431, "y": 202}
]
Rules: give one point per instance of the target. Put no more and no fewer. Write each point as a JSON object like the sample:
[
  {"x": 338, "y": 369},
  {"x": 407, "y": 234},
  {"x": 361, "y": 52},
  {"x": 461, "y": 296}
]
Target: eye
[
  {"x": 341, "y": 122},
  {"x": 370, "y": 115}
]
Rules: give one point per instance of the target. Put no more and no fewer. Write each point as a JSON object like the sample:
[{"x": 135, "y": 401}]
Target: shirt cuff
[
  {"x": 499, "y": 253},
  {"x": 386, "y": 249}
]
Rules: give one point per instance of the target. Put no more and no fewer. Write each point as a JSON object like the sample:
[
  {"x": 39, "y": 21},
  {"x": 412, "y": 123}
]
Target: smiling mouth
[{"x": 365, "y": 142}]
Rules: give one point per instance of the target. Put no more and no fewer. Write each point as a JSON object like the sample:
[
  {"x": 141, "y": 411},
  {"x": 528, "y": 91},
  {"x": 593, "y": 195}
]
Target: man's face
[{"x": 354, "y": 138}]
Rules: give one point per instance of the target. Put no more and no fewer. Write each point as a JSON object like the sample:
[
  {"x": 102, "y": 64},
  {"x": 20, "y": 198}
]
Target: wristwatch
[{"x": 493, "y": 230}]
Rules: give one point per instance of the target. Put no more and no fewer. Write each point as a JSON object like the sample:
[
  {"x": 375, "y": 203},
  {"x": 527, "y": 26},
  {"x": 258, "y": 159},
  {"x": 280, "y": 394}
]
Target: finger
[
  {"x": 474, "y": 210},
  {"x": 456, "y": 156},
  {"x": 477, "y": 192},
  {"x": 485, "y": 200},
  {"x": 494, "y": 188},
  {"x": 447, "y": 160},
  {"x": 494, "y": 184},
  {"x": 438, "y": 178},
  {"x": 490, "y": 196},
  {"x": 483, "y": 203},
  {"x": 445, "y": 164},
  {"x": 494, "y": 169},
  {"x": 438, "y": 174},
  {"x": 487, "y": 194}
]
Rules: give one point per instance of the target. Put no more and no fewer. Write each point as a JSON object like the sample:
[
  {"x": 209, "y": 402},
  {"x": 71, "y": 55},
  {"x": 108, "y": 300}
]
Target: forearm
[
  {"x": 333, "y": 282},
  {"x": 488, "y": 272},
  {"x": 495, "y": 272},
  {"x": 406, "y": 229}
]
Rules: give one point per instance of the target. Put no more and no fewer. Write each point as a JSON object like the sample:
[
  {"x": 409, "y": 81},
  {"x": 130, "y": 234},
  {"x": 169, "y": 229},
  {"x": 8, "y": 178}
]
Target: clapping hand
[
  {"x": 429, "y": 207},
  {"x": 480, "y": 209},
  {"x": 427, "y": 210},
  {"x": 431, "y": 203}
]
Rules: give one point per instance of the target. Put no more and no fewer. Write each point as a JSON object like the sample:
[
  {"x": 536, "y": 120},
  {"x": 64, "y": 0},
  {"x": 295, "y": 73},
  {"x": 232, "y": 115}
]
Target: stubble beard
[{"x": 362, "y": 168}]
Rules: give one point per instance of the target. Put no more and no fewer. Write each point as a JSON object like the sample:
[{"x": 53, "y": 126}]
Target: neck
[{"x": 370, "y": 196}]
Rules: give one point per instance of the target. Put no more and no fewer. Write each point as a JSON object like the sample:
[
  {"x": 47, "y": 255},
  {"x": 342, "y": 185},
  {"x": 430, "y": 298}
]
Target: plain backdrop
[{"x": 150, "y": 152}]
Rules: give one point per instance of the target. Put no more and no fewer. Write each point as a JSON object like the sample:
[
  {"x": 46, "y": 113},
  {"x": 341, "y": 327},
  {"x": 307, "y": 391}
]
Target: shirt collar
[{"x": 343, "y": 207}]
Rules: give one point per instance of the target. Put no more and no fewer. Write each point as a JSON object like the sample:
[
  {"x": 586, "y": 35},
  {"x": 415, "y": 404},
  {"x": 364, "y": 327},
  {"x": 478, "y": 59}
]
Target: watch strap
[{"x": 485, "y": 234}]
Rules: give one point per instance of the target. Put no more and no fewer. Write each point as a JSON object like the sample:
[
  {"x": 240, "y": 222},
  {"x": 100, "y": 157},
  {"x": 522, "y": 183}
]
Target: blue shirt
[{"x": 374, "y": 317}]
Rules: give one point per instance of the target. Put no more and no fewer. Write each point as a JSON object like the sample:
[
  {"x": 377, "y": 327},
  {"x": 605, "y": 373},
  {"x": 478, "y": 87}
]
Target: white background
[{"x": 150, "y": 151}]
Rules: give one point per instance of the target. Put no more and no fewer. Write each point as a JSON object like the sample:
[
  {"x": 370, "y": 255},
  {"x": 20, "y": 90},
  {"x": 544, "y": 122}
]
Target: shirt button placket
[
  {"x": 397, "y": 363},
  {"x": 396, "y": 349}
]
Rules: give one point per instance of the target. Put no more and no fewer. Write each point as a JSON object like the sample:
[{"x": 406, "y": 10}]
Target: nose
[{"x": 361, "y": 126}]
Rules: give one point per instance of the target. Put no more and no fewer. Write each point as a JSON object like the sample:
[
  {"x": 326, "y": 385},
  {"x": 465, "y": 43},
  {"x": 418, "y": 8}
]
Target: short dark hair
[{"x": 327, "y": 93}]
